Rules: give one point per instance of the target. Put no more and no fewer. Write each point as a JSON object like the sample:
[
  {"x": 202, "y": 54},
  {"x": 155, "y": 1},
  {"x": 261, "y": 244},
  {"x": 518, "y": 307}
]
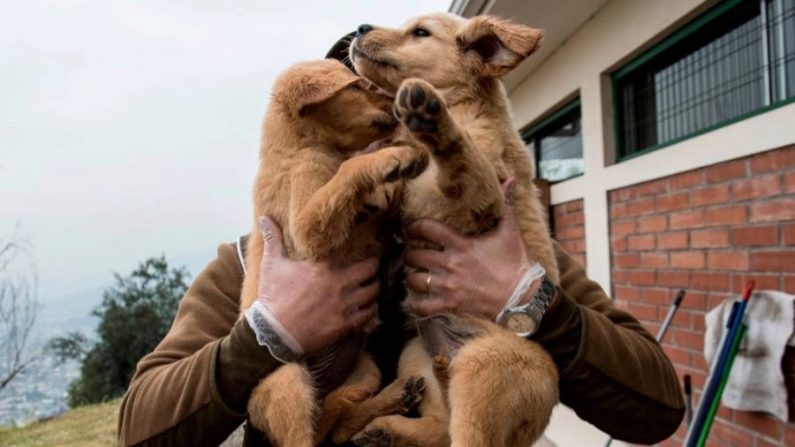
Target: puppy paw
[
  {"x": 403, "y": 162},
  {"x": 412, "y": 393},
  {"x": 419, "y": 106},
  {"x": 374, "y": 437},
  {"x": 377, "y": 202}
]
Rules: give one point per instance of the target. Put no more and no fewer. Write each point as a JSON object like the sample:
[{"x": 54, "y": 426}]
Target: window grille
[
  {"x": 556, "y": 143},
  {"x": 736, "y": 60}
]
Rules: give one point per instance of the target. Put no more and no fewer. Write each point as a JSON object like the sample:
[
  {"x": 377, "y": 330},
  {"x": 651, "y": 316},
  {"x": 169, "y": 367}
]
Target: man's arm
[
  {"x": 613, "y": 373},
  {"x": 192, "y": 390}
]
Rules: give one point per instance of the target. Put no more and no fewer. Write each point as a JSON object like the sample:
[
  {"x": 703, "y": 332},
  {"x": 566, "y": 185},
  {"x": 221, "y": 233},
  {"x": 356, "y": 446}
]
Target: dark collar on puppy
[{"x": 340, "y": 50}]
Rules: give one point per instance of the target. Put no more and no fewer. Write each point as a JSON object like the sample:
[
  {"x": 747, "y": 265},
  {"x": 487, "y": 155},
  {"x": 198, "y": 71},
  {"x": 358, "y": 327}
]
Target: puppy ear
[
  {"x": 499, "y": 44},
  {"x": 310, "y": 83}
]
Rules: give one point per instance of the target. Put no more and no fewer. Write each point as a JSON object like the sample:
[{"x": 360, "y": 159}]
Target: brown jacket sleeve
[
  {"x": 192, "y": 389},
  {"x": 613, "y": 373}
]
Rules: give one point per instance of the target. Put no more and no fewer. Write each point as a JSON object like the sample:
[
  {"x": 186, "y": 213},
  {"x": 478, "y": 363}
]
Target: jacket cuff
[
  {"x": 240, "y": 364},
  {"x": 561, "y": 333}
]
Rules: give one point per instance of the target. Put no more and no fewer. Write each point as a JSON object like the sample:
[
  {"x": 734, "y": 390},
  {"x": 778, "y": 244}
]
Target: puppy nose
[{"x": 363, "y": 29}]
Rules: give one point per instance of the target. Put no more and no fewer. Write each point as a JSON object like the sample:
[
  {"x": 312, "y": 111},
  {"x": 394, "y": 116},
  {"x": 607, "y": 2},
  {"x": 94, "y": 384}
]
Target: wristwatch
[{"x": 525, "y": 319}]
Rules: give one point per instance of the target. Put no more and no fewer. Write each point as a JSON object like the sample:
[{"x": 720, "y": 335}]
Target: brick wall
[
  {"x": 707, "y": 231},
  {"x": 568, "y": 228}
]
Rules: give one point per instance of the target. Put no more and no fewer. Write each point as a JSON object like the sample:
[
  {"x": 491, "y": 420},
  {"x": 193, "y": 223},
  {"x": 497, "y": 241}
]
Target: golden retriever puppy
[
  {"x": 485, "y": 386},
  {"x": 327, "y": 202}
]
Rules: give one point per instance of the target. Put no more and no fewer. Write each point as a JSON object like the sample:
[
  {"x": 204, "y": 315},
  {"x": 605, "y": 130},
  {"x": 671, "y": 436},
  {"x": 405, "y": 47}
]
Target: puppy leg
[
  {"x": 464, "y": 175},
  {"x": 283, "y": 407},
  {"x": 322, "y": 214},
  {"x": 360, "y": 385},
  {"x": 517, "y": 387},
  {"x": 431, "y": 428},
  {"x": 399, "y": 397}
]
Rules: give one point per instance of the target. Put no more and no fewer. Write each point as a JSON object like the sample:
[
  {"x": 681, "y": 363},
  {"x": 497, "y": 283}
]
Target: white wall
[{"x": 581, "y": 65}]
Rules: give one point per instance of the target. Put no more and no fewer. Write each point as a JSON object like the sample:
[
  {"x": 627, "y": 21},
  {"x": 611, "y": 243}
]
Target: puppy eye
[{"x": 420, "y": 32}]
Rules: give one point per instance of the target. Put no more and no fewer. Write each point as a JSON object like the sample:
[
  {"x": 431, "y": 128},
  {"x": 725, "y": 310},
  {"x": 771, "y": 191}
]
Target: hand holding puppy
[
  {"x": 471, "y": 275},
  {"x": 313, "y": 303}
]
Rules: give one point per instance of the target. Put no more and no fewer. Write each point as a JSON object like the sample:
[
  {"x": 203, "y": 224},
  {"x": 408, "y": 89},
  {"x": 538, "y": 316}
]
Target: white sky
[{"x": 130, "y": 128}]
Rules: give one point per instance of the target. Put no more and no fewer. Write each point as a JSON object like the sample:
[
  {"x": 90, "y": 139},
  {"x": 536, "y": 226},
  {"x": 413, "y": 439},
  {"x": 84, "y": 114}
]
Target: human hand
[
  {"x": 315, "y": 303},
  {"x": 474, "y": 275}
]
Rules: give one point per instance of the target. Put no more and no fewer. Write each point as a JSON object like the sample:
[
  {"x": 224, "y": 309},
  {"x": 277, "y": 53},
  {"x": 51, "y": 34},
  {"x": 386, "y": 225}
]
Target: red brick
[
  {"x": 697, "y": 361},
  {"x": 730, "y": 435},
  {"x": 756, "y": 187},
  {"x": 711, "y": 281},
  {"x": 769, "y": 282},
  {"x": 678, "y": 356},
  {"x": 675, "y": 201},
  {"x": 673, "y": 279},
  {"x": 569, "y": 219},
  {"x": 789, "y": 182},
  {"x": 652, "y": 188},
  {"x": 716, "y": 299},
  {"x": 569, "y": 232},
  {"x": 759, "y": 423},
  {"x": 653, "y": 224},
  {"x": 573, "y": 245},
  {"x": 753, "y": 236},
  {"x": 688, "y": 339},
  {"x": 642, "y": 242},
  {"x": 687, "y": 260},
  {"x": 620, "y": 276},
  {"x": 626, "y": 260},
  {"x": 762, "y": 442},
  {"x": 626, "y": 293},
  {"x": 789, "y": 234},
  {"x": 623, "y": 195},
  {"x": 667, "y": 241},
  {"x": 618, "y": 210},
  {"x": 643, "y": 312},
  {"x": 694, "y": 300},
  {"x": 698, "y": 322},
  {"x": 618, "y": 244},
  {"x": 654, "y": 260},
  {"x": 731, "y": 260},
  {"x": 686, "y": 180},
  {"x": 774, "y": 210},
  {"x": 657, "y": 297},
  {"x": 789, "y": 286},
  {"x": 725, "y": 171},
  {"x": 642, "y": 206},
  {"x": 769, "y": 161},
  {"x": 709, "y": 238},
  {"x": 773, "y": 261},
  {"x": 726, "y": 215},
  {"x": 710, "y": 195},
  {"x": 622, "y": 228},
  {"x": 789, "y": 435},
  {"x": 641, "y": 278},
  {"x": 687, "y": 219},
  {"x": 681, "y": 318}
]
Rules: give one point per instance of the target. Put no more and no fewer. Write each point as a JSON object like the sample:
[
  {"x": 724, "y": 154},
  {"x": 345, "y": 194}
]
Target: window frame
[
  {"x": 548, "y": 120},
  {"x": 706, "y": 18}
]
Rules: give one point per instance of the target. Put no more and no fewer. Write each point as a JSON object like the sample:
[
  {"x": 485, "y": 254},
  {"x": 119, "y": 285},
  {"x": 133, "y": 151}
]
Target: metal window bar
[{"x": 728, "y": 75}]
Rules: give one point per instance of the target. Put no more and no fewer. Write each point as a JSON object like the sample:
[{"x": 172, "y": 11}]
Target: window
[
  {"x": 735, "y": 60},
  {"x": 556, "y": 143}
]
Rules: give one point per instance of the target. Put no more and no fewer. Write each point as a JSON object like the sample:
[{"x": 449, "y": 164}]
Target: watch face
[{"x": 521, "y": 323}]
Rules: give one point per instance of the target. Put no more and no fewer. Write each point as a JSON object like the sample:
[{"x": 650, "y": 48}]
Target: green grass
[{"x": 92, "y": 425}]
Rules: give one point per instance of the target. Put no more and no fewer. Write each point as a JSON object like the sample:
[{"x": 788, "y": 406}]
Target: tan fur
[
  {"x": 500, "y": 389},
  {"x": 327, "y": 203}
]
